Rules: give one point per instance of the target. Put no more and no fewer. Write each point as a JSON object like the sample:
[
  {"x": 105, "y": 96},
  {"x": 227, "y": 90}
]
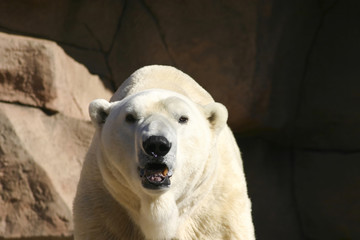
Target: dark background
[{"x": 288, "y": 71}]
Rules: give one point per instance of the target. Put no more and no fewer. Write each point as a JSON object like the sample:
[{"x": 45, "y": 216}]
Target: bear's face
[{"x": 156, "y": 140}]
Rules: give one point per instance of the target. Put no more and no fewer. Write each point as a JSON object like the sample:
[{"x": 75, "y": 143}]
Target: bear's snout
[{"x": 156, "y": 146}]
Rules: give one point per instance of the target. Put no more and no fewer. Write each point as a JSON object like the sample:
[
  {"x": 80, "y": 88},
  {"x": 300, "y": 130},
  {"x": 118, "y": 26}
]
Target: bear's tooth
[{"x": 165, "y": 172}]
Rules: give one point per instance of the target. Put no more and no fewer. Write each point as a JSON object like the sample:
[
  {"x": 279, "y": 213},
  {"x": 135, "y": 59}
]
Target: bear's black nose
[{"x": 156, "y": 146}]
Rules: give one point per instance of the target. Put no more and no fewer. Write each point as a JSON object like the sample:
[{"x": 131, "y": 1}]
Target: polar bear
[{"x": 163, "y": 164}]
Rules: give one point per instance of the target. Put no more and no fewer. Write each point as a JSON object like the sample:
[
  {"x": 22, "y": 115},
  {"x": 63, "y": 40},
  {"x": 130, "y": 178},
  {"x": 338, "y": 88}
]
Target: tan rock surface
[
  {"x": 40, "y": 162},
  {"x": 44, "y": 135},
  {"x": 38, "y": 73}
]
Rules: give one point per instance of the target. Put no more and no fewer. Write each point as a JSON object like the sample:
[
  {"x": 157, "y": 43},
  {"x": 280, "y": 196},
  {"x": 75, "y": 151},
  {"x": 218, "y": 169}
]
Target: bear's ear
[
  {"x": 217, "y": 115},
  {"x": 99, "y": 110}
]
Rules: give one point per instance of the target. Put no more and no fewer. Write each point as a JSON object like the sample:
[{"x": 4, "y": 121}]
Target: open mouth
[{"x": 155, "y": 176}]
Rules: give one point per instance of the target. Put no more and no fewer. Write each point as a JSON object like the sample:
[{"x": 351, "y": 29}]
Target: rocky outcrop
[
  {"x": 44, "y": 136},
  {"x": 38, "y": 73},
  {"x": 35, "y": 196}
]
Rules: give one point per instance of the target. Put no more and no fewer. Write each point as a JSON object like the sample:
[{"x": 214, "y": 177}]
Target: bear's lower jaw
[{"x": 155, "y": 176}]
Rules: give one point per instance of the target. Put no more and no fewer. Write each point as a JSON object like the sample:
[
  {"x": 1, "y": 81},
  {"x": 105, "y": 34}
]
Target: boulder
[
  {"x": 40, "y": 162},
  {"x": 38, "y": 73},
  {"x": 45, "y": 132}
]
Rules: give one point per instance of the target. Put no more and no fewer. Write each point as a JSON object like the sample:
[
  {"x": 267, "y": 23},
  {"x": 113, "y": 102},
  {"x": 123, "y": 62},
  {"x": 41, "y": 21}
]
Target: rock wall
[
  {"x": 286, "y": 70},
  {"x": 44, "y": 135}
]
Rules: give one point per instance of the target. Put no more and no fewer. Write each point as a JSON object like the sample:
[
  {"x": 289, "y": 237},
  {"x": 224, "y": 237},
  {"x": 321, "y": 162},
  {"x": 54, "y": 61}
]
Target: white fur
[
  {"x": 159, "y": 217},
  {"x": 207, "y": 198}
]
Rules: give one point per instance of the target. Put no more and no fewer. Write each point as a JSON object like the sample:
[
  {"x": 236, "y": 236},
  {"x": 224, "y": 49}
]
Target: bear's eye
[
  {"x": 130, "y": 118},
  {"x": 183, "y": 119}
]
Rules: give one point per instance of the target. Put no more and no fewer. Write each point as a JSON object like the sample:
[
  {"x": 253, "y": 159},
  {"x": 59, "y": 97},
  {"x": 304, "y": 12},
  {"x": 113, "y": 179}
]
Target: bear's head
[{"x": 156, "y": 141}]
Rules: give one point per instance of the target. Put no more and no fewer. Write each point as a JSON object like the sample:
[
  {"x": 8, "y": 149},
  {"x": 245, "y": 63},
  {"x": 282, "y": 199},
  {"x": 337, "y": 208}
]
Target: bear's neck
[
  {"x": 159, "y": 217},
  {"x": 164, "y": 217}
]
